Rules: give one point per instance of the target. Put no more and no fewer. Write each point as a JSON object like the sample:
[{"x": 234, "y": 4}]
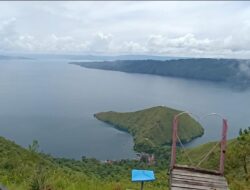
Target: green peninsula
[{"x": 152, "y": 127}]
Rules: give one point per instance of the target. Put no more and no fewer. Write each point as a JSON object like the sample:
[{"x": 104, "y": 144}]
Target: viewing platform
[{"x": 183, "y": 177}]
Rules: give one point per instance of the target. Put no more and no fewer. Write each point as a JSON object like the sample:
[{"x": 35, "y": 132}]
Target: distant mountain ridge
[
  {"x": 217, "y": 70},
  {"x": 84, "y": 57},
  {"x": 99, "y": 57},
  {"x": 119, "y": 57},
  {"x": 7, "y": 57}
]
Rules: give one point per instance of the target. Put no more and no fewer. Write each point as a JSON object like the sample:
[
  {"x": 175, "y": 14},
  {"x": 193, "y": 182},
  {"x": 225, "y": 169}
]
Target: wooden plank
[
  {"x": 197, "y": 187},
  {"x": 191, "y": 188},
  {"x": 186, "y": 178},
  {"x": 200, "y": 183},
  {"x": 187, "y": 188},
  {"x": 197, "y": 176},
  {"x": 198, "y": 179},
  {"x": 176, "y": 188},
  {"x": 185, "y": 172},
  {"x": 195, "y": 169}
]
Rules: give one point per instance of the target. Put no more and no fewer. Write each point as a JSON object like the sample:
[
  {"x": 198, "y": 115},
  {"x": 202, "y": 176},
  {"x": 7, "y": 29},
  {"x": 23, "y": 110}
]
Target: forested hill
[
  {"x": 153, "y": 126},
  {"x": 222, "y": 70}
]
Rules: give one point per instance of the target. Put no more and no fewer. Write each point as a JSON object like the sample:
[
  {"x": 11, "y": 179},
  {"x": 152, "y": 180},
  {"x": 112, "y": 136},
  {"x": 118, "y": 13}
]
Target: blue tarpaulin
[{"x": 142, "y": 175}]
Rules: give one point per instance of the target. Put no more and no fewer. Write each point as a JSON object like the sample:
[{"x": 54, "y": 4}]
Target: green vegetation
[
  {"x": 152, "y": 127},
  {"x": 22, "y": 169},
  {"x": 238, "y": 161}
]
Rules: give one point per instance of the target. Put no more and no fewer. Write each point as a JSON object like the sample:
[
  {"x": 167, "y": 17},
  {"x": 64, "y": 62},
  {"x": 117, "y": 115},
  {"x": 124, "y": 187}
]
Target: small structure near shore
[{"x": 147, "y": 158}]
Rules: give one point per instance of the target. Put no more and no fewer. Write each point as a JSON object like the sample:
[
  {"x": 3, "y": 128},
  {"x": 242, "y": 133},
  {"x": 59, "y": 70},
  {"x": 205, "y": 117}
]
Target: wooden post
[
  {"x": 142, "y": 183},
  {"x": 223, "y": 146},
  {"x": 174, "y": 139}
]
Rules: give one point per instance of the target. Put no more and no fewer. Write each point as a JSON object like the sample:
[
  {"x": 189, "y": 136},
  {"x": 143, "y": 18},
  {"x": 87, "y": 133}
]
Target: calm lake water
[{"x": 54, "y": 102}]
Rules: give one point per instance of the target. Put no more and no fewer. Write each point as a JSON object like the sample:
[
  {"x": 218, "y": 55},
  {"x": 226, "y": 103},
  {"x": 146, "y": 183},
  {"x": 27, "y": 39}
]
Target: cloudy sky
[{"x": 200, "y": 29}]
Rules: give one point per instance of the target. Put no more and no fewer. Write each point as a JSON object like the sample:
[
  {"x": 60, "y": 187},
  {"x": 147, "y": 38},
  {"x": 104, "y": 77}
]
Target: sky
[{"x": 196, "y": 29}]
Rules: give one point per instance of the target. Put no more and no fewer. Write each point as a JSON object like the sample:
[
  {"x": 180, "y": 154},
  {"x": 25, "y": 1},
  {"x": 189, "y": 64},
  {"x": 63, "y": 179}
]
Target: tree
[
  {"x": 239, "y": 154},
  {"x": 34, "y": 147},
  {"x": 243, "y": 149}
]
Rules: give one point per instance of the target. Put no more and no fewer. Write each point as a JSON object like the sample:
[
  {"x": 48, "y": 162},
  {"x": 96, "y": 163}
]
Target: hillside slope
[
  {"x": 22, "y": 169},
  {"x": 153, "y": 126}
]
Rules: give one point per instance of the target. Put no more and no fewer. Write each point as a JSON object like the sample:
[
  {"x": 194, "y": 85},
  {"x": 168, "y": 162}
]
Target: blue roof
[{"x": 143, "y": 175}]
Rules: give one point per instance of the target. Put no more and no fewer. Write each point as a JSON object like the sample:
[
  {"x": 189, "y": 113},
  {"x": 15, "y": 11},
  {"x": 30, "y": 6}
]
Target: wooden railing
[{"x": 223, "y": 140}]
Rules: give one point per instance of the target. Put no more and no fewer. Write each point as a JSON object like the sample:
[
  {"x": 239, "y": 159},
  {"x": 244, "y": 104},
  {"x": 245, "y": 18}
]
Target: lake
[{"x": 54, "y": 102}]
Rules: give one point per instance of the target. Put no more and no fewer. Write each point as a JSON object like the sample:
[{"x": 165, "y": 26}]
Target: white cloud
[
  {"x": 7, "y": 33},
  {"x": 188, "y": 43},
  {"x": 169, "y": 28},
  {"x": 132, "y": 47},
  {"x": 100, "y": 42}
]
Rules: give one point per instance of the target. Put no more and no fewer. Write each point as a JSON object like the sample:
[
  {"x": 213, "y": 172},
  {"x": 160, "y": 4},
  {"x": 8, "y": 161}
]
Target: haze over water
[{"x": 54, "y": 102}]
